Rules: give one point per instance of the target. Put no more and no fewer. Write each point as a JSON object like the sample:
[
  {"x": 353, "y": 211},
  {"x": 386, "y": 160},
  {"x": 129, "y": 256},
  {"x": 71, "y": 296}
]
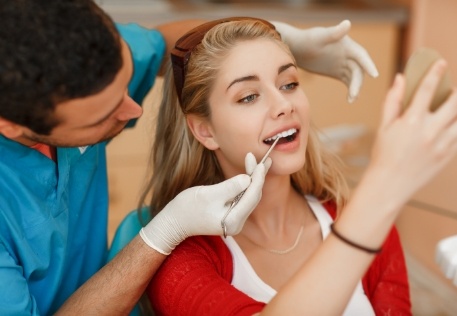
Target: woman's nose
[
  {"x": 129, "y": 110},
  {"x": 280, "y": 105}
]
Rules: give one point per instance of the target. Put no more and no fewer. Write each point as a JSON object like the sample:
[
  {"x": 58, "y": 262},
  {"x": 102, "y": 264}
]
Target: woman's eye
[
  {"x": 290, "y": 86},
  {"x": 250, "y": 98}
]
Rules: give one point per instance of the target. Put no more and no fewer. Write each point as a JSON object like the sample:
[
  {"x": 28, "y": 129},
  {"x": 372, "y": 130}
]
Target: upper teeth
[{"x": 283, "y": 134}]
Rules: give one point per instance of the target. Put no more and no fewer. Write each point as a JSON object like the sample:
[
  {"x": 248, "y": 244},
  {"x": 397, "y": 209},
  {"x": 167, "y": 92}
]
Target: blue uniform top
[{"x": 53, "y": 216}]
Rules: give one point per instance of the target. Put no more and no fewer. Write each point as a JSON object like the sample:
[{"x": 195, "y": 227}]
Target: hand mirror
[{"x": 416, "y": 68}]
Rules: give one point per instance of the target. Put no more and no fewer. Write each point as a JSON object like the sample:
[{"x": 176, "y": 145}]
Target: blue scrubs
[{"x": 53, "y": 217}]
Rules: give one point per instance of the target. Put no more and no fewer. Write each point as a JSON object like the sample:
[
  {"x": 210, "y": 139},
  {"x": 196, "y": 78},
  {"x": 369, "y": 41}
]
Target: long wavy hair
[{"x": 179, "y": 161}]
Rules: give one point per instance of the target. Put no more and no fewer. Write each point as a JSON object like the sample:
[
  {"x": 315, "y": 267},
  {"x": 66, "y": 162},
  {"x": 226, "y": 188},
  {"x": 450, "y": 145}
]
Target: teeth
[{"x": 283, "y": 134}]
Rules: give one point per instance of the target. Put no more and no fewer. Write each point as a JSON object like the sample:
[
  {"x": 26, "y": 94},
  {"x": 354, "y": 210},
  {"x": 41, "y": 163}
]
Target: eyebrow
[{"x": 256, "y": 78}]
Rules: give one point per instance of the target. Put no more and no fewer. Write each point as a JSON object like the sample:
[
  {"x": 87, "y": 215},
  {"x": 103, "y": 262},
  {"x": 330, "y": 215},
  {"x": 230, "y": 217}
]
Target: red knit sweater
[{"x": 195, "y": 280}]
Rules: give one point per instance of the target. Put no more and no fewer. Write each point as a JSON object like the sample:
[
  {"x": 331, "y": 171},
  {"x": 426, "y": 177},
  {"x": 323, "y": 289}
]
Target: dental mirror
[{"x": 416, "y": 68}]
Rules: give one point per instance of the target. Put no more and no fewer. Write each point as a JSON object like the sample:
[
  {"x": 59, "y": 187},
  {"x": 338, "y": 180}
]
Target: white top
[{"x": 246, "y": 279}]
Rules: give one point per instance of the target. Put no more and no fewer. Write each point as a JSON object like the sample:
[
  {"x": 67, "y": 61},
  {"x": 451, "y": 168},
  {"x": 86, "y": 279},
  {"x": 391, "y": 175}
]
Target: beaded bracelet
[{"x": 351, "y": 243}]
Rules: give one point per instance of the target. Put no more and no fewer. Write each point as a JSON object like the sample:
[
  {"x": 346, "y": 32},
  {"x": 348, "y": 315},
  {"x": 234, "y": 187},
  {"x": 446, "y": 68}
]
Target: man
[{"x": 70, "y": 80}]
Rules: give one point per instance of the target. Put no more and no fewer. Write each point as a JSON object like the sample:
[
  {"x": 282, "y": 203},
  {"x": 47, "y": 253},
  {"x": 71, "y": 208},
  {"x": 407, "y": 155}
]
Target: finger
[
  {"x": 447, "y": 113},
  {"x": 344, "y": 75},
  {"x": 267, "y": 164},
  {"x": 250, "y": 163},
  {"x": 253, "y": 193},
  {"x": 361, "y": 57},
  {"x": 331, "y": 34},
  {"x": 392, "y": 103},
  {"x": 423, "y": 96},
  {"x": 356, "y": 80},
  {"x": 337, "y": 32},
  {"x": 228, "y": 189},
  {"x": 448, "y": 137}
]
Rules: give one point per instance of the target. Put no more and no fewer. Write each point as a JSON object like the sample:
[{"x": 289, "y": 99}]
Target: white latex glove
[
  {"x": 446, "y": 257},
  {"x": 331, "y": 52},
  {"x": 199, "y": 210}
]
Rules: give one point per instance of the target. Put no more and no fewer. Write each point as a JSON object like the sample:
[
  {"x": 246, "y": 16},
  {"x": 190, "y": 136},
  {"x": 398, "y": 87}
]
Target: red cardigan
[{"x": 195, "y": 280}]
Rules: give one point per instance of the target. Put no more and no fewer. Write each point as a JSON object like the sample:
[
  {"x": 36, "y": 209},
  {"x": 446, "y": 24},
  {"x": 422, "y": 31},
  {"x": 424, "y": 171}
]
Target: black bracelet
[{"x": 351, "y": 243}]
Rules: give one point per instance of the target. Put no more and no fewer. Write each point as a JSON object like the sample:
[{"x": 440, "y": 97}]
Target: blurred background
[{"x": 390, "y": 30}]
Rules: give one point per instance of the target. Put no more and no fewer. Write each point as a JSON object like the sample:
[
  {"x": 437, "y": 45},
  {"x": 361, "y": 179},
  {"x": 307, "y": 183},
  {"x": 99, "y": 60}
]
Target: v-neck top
[{"x": 246, "y": 279}]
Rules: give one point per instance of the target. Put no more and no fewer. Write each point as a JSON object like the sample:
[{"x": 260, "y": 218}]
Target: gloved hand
[
  {"x": 199, "y": 210},
  {"x": 331, "y": 52}
]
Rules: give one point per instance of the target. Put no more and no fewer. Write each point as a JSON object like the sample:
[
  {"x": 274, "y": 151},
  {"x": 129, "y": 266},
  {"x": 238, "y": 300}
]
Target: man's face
[{"x": 89, "y": 120}]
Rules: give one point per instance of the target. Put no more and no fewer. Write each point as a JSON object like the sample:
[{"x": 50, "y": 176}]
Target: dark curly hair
[{"x": 52, "y": 51}]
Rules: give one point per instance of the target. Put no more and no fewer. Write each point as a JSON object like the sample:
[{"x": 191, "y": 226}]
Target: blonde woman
[{"x": 307, "y": 248}]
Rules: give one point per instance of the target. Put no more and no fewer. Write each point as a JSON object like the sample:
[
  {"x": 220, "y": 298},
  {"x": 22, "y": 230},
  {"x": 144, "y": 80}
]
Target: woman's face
[{"x": 255, "y": 99}]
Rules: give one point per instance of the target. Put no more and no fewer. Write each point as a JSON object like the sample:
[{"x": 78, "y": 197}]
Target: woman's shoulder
[
  {"x": 204, "y": 243},
  {"x": 204, "y": 250}
]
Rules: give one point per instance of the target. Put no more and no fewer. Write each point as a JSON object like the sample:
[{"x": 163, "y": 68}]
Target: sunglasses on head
[{"x": 180, "y": 54}]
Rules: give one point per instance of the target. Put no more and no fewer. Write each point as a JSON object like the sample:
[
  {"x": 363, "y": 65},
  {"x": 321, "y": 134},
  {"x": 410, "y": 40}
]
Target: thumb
[{"x": 356, "y": 80}]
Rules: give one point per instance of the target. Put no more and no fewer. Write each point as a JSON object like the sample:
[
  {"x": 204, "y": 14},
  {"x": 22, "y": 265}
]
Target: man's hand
[
  {"x": 331, "y": 52},
  {"x": 199, "y": 210}
]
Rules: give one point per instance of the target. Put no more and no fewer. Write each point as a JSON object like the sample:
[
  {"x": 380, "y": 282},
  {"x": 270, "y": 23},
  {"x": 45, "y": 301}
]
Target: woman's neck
[{"x": 279, "y": 207}]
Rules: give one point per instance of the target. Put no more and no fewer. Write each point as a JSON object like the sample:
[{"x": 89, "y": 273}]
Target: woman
[{"x": 234, "y": 90}]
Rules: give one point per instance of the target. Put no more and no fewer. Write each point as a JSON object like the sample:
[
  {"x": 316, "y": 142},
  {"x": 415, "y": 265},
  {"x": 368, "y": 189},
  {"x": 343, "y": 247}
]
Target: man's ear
[
  {"x": 9, "y": 129},
  {"x": 202, "y": 131}
]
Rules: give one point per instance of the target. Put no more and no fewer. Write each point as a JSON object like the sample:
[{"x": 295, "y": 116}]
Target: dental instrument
[{"x": 239, "y": 196}]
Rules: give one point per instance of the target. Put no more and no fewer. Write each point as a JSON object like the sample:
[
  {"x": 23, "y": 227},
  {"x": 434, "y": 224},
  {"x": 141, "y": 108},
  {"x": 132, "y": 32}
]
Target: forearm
[{"x": 117, "y": 287}]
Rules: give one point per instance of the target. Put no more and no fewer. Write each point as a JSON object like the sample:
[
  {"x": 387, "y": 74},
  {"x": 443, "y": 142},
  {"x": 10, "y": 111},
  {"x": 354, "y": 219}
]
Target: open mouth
[{"x": 285, "y": 137}]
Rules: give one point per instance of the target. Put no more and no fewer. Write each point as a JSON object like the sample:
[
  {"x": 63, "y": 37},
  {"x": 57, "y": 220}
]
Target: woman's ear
[
  {"x": 202, "y": 131},
  {"x": 9, "y": 129}
]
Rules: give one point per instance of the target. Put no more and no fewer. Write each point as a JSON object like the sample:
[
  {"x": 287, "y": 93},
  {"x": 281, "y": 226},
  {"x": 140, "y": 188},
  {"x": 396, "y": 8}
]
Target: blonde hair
[{"x": 179, "y": 161}]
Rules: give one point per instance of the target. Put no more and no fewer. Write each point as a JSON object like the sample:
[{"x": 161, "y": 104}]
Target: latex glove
[
  {"x": 199, "y": 210},
  {"x": 446, "y": 257},
  {"x": 331, "y": 52}
]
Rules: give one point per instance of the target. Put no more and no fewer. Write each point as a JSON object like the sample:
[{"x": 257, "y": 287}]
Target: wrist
[
  {"x": 352, "y": 243},
  {"x": 163, "y": 233},
  {"x": 152, "y": 243},
  {"x": 370, "y": 213}
]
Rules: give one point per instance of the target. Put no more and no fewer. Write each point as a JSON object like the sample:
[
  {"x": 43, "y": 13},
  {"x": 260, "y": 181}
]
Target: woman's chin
[{"x": 285, "y": 168}]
